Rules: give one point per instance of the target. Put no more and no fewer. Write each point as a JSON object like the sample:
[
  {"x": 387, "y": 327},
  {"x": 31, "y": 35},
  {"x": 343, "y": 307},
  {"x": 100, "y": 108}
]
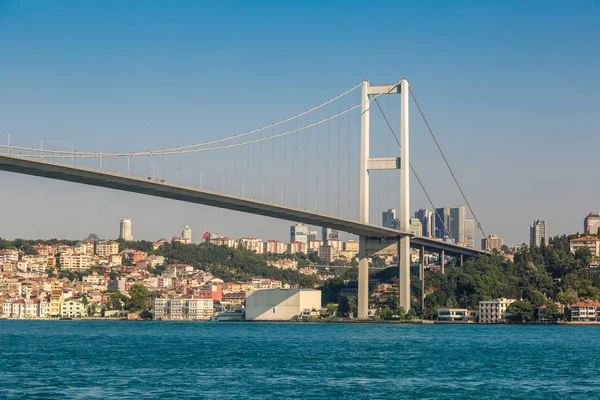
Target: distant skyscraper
[
  {"x": 492, "y": 242},
  {"x": 125, "y": 231},
  {"x": 388, "y": 218},
  {"x": 457, "y": 223},
  {"x": 299, "y": 233},
  {"x": 427, "y": 221},
  {"x": 591, "y": 223},
  {"x": 312, "y": 236},
  {"x": 187, "y": 234},
  {"x": 327, "y": 233},
  {"x": 537, "y": 232},
  {"x": 441, "y": 226},
  {"x": 469, "y": 240},
  {"x": 416, "y": 228}
]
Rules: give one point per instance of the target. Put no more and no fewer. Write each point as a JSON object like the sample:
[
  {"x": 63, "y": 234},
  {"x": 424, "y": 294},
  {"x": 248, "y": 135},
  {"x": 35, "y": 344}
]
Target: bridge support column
[
  {"x": 422, "y": 277},
  {"x": 363, "y": 203},
  {"x": 443, "y": 261},
  {"x": 461, "y": 260},
  {"x": 404, "y": 243},
  {"x": 363, "y": 279}
]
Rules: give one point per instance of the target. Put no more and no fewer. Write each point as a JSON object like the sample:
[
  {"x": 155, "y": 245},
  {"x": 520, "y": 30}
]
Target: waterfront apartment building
[
  {"x": 72, "y": 309},
  {"x": 591, "y": 223},
  {"x": 537, "y": 232},
  {"x": 492, "y": 242},
  {"x": 590, "y": 242},
  {"x": 453, "y": 314},
  {"x": 493, "y": 311},
  {"x": 25, "y": 308},
  {"x": 106, "y": 248},
  {"x": 183, "y": 308},
  {"x": 299, "y": 233},
  {"x": 585, "y": 311}
]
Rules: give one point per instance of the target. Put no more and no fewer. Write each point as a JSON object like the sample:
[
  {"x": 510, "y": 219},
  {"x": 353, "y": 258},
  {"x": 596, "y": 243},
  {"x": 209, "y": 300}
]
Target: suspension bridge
[{"x": 302, "y": 169}]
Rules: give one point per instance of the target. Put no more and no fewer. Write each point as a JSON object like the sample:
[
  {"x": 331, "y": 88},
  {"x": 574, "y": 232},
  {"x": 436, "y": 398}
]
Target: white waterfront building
[
  {"x": 281, "y": 304},
  {"x": 493, "y": 311}
]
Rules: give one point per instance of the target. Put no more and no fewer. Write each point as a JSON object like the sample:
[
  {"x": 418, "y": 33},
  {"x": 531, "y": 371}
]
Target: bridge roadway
[{"x": 93, "y": 177}]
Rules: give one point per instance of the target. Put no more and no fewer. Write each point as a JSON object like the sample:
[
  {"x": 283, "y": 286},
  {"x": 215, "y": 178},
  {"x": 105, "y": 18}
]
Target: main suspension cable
[{"x": 447, "y": 163}]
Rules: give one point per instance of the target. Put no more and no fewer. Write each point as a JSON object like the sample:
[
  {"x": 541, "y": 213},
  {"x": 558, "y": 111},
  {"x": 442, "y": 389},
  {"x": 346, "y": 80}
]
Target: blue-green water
[{"x": 131, "y": 360}]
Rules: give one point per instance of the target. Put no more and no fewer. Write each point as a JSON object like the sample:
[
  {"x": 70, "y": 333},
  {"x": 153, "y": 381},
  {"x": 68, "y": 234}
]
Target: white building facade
[
  {"x": 493, "y": 311},
  {"x": 281, "y": 304}
]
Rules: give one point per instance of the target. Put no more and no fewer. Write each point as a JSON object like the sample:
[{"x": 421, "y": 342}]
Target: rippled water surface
[{"x": 131, "y": 360}]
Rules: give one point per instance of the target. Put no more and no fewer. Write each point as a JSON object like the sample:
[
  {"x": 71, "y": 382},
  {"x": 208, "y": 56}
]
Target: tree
[
  {"x": 520, "y": 311},
  {"x": 552, "y": 312},
  {"x": 91, "y": 310},
  {"x": 348, "y": 306},
  {"x": 386, "y": 312},
  {"x": 116, "y": 300},
  {"x": 566, "y": 298},
  {"x": 584, "y": 255},
  {"x": 536, "y": 298},
  {"x": 352, "y": 305},
  {"x": 331, "y": 309},
  {"x": 138, "y": 298}
]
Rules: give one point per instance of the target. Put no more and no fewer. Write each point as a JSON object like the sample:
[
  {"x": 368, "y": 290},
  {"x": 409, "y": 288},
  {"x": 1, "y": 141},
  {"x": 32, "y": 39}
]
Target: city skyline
[{"x": 126, "y": 112}]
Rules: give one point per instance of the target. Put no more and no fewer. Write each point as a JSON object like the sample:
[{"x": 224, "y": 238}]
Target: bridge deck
[{"x": 64, "y": 172}]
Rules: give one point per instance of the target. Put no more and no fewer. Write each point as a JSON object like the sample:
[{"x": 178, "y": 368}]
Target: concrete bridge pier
[
  {"x": 363, "y": 279},
  {"x": 443, "y": 261}
]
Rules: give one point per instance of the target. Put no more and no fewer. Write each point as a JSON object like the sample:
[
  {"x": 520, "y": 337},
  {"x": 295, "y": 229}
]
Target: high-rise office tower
[
  {"x": 537, "y": 232},
  {"x": 327, "y": 233},
  {"x": 457, "y": 223},
  {"x": 312, "y": 236},
  {"x": 187, "y": 234},
  {"x": 442, "y": 222},
  {"x": 469, "y": 240},
  {"x": 388, "y": 218},
  {"x": 591, "y": 223},
  {"x": 125, "y": 230},
  {"x": 299, "y": 233},
  {"x": 427, "y": 221}
]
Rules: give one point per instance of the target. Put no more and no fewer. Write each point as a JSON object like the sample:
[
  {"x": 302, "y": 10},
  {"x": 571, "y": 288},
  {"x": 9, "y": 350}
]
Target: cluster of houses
[{"x": 32, "y": 286}]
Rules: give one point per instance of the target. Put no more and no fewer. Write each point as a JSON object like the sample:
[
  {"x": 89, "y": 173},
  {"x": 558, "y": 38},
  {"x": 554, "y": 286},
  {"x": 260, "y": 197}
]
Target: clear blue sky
[{"x": 511, "y": 89}]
